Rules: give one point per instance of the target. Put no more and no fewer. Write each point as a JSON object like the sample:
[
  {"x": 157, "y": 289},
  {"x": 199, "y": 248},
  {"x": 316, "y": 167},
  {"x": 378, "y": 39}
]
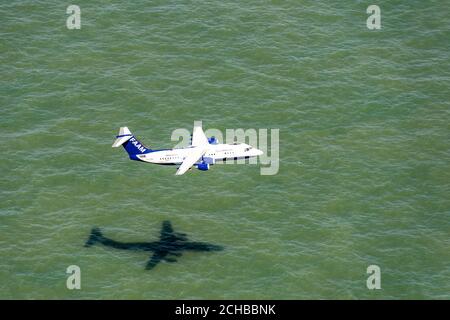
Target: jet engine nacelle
[
  {"x": 213, "y": 140},
  {"x": 203, "y": 166}
]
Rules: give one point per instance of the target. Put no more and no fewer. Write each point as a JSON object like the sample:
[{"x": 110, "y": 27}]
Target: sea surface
[{"x": 364, "y": 148}]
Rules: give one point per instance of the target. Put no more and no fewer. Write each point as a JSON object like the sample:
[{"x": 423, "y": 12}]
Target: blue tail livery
[{"x": 130, "y": 143}]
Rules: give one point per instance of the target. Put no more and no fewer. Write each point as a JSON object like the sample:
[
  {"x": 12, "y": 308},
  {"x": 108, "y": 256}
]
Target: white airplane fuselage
[
  {"x": 217, "y": 152},
  {"x": 202, "y": 153}
]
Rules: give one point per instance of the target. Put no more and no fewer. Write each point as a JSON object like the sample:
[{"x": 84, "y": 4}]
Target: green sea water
[{"x": 364, "y": 174}]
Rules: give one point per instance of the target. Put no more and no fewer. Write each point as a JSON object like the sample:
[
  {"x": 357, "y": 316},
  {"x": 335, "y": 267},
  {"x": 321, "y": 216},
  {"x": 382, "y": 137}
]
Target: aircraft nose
[{"x": 258, "y": 152}]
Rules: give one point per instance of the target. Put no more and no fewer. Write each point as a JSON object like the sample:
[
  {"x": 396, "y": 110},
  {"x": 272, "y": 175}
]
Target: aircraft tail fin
[
  {"x": 129, "y": 142},
  {"x": 123, "y": 136},
  {"x": 96, "y": 236}
]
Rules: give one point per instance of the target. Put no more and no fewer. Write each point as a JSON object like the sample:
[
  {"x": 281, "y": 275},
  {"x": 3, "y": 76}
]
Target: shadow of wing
[
  {"x": 155, "y": 259},
  {"x": 166, "y": 231}
]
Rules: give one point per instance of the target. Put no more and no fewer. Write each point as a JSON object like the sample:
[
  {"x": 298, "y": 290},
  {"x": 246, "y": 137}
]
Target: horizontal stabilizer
[
  {"x": 96, "y": 236},
  {"x": 123, "y": 136}
]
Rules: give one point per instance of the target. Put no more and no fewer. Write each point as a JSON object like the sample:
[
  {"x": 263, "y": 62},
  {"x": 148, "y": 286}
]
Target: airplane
[
  {"x": 170, "y": 244},
  {"x": 202, "y": 153}
]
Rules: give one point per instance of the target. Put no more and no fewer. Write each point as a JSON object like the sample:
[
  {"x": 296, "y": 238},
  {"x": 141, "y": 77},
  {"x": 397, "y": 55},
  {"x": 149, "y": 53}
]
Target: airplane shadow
[{"x": 170, "y": 245}]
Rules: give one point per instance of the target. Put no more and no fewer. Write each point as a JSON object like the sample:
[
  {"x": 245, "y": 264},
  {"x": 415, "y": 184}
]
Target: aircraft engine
[
  {"x": 203, "y": 166},
  {"x": 213, "y": 140}
]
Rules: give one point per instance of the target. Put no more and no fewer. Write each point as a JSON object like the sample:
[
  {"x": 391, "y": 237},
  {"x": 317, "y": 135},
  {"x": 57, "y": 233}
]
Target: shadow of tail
[{"x": 96, "y": 236}]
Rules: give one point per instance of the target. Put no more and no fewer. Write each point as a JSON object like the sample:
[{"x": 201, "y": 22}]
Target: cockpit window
[{"x": 247, "y": 149}]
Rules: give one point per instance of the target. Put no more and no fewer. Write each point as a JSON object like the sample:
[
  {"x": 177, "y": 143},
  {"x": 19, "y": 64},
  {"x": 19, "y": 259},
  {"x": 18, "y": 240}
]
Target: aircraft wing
[
  {"x": 195, "y": 154},
  {"x": 198, "y": 137},
  {"x": 155, "y": 259},
  {"x": 166, "y": 231}
]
